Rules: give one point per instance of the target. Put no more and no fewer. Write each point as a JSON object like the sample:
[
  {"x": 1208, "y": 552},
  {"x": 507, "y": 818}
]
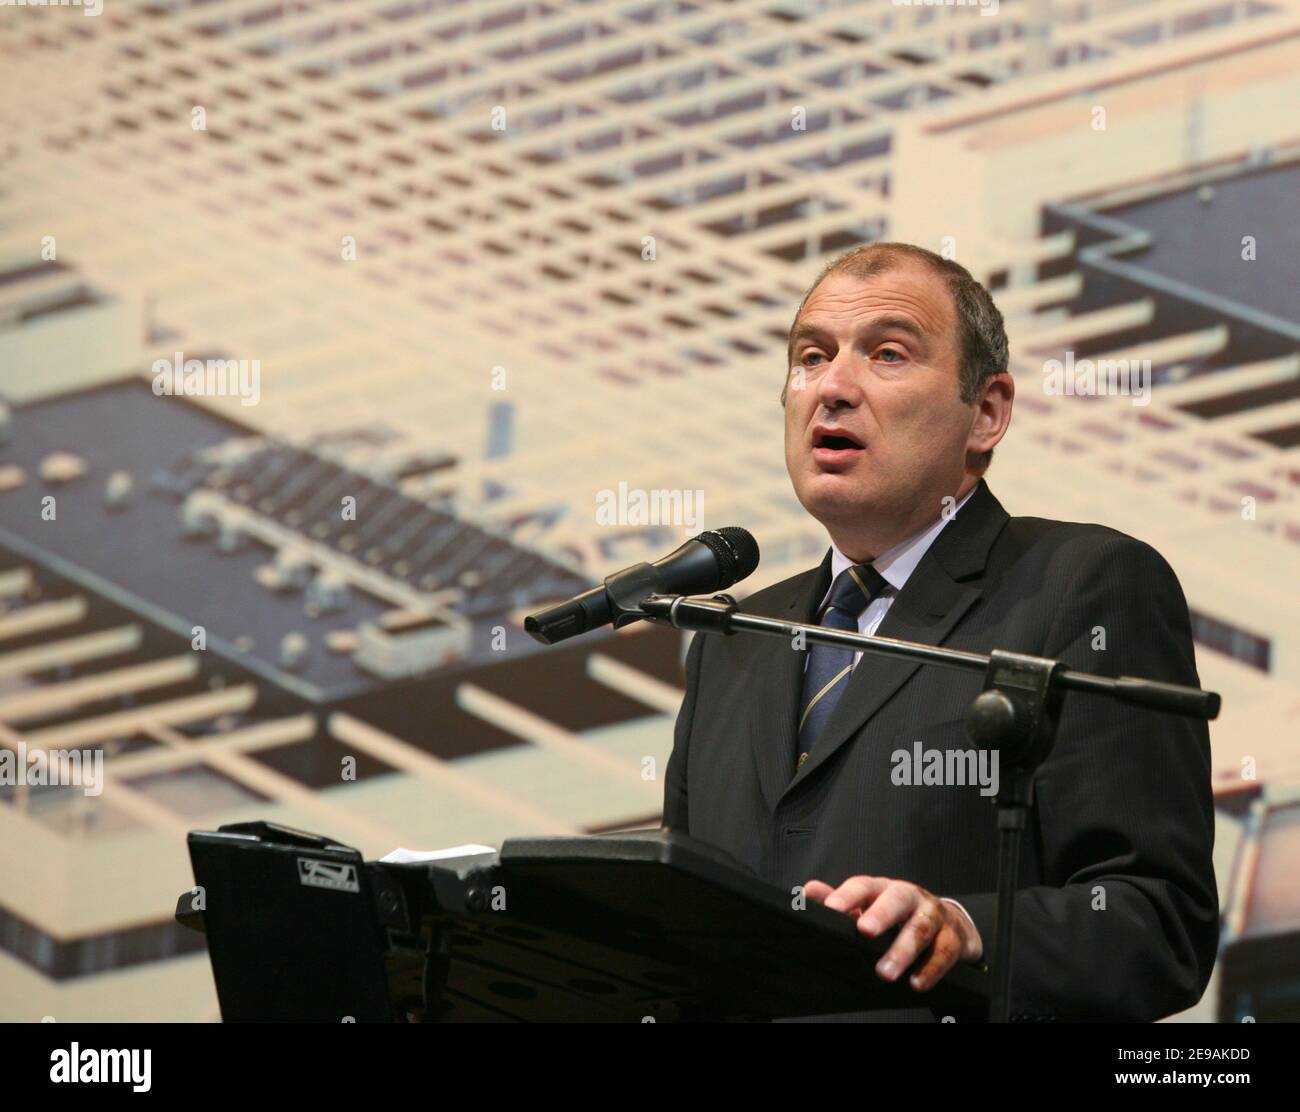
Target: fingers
[
  {"x": 943, "y": 956},
  {"x": 817, "y": 890},
  {"x": 856, "y": 893},
  {"x": 921, "y": 918},
  {"x": 895, "y": 901},
  {"x": 929, "y": 927}
]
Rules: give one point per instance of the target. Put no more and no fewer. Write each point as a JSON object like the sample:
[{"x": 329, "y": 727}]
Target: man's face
[{"x": 875, "y": 362}]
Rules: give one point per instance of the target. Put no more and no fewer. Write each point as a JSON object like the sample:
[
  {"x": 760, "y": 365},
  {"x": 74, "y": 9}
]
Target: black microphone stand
[{"x": 1015, "y": 716}]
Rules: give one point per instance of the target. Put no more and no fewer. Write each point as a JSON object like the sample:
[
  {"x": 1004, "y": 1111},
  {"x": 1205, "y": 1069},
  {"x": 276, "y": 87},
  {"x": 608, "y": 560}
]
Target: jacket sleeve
[
  {"x": 675, "y": 809},
  {"x": 1127, "y": 927}
]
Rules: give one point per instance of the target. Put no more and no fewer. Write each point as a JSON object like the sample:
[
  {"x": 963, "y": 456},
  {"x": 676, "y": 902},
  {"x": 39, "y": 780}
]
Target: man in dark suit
[{"x": 809, "y": 765}]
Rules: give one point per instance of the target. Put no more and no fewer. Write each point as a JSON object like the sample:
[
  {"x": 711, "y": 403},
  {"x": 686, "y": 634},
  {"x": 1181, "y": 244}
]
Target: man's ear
[{"x": 993, "y": 413}]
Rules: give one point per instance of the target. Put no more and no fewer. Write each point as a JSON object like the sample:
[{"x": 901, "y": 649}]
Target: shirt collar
[{"x": 898, "y": 563}]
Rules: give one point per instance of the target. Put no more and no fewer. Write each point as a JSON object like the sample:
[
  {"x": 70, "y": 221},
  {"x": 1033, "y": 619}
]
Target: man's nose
[{"x": 838, "y": 386}]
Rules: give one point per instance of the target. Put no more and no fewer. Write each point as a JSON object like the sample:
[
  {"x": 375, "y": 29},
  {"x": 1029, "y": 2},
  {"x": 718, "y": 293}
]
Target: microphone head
[{"x": 735, "y": 550}]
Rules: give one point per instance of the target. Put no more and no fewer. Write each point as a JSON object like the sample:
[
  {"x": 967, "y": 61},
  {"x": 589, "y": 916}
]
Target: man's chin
[{"x": 837, "y": 497}]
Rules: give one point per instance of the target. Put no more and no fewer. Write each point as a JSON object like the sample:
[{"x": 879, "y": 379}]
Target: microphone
[{"x": 715, "y": 559}]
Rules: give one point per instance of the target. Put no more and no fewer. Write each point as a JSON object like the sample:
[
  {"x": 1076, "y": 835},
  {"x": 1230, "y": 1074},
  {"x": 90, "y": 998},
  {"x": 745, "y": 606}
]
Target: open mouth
[{"x": 833, "y": 440}]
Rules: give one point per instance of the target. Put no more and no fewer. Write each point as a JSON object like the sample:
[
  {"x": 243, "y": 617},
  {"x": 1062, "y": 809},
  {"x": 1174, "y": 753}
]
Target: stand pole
[{"x": 1011, "y": 827}]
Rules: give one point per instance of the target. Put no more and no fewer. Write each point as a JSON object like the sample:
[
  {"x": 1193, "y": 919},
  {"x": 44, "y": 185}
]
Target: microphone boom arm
[{"x": 721, "y": 614}]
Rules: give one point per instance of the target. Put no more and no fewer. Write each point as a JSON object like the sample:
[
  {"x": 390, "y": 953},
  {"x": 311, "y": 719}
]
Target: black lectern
[{"x": 639, "y": 927}]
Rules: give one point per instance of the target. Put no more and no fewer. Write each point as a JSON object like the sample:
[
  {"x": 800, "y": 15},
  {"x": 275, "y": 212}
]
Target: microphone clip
[{"x": 627, "y": 590}]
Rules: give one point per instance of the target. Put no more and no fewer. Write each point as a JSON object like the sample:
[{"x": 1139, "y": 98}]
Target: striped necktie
[{"x": 829, "y": 667}]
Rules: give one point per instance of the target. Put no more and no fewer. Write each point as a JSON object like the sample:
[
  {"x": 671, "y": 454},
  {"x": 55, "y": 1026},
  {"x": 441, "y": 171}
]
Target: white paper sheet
[{"x": 403, "y": 856}]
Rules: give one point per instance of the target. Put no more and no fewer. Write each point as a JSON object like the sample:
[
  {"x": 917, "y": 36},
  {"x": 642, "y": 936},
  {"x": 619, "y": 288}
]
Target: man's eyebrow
[
  {"x": 804, "y": 331},
  {"x": 896, "y": 322}
]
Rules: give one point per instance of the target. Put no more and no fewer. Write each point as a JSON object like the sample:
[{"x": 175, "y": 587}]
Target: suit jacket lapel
[
  {"x": 778, "y": 681},
  {"x": 936, "y": 596}
]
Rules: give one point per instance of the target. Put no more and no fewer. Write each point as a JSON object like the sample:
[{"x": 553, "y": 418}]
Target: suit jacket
[{"x": 1117, "y": 909}]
